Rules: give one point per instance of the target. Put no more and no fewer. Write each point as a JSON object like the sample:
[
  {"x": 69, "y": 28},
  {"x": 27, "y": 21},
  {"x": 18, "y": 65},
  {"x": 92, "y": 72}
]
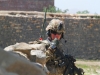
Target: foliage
[
  {"x": 83, "y": 12},
  {"x": 96, "y": 16},
  {"x": 54, "y": 9}
]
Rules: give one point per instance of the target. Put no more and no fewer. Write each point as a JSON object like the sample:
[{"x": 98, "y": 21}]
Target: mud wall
[
  {"x": 83, "y": 35},
  {"x": 25, "y": 5}
]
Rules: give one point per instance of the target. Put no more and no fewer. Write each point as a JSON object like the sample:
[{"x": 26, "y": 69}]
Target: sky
[{"x": 93, "y": 6}]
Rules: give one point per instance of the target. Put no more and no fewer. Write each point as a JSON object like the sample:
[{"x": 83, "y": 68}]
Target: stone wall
[
  {"x": 25, "y": 5},
  {"x": 83, "y": 35}
]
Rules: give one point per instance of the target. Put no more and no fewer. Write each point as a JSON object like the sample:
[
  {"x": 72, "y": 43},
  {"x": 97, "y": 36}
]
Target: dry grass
[{"x": 90, "y": 67}]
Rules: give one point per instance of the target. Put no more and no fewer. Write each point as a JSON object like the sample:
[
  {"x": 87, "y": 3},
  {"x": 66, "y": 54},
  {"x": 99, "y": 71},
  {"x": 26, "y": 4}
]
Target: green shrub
[{"x": 54, "y": 9}]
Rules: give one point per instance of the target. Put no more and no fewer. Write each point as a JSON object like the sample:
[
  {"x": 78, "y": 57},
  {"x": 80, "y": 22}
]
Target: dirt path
[{"x": 95, "y": 63}]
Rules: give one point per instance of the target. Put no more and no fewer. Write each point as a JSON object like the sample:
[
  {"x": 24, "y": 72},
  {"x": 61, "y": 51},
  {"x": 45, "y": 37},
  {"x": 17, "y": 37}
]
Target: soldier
[
  {"x": 55, "y": 33},
  {"x": 55, "y": 30}
]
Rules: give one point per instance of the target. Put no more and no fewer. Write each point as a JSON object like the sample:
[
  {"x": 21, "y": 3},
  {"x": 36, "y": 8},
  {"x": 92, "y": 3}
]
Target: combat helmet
[{"x": 55, "y": 29}]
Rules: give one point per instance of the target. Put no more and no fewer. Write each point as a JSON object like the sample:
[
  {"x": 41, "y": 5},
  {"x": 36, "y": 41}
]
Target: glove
[{"x": 54, "y": 43}]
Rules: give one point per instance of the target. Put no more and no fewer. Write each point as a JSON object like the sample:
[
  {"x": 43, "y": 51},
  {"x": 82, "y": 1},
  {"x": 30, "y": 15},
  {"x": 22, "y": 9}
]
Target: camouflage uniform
[{"x": 55, "y": 32}]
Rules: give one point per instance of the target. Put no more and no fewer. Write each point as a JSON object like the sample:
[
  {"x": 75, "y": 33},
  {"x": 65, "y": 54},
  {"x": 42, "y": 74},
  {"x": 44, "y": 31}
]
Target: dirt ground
[
  {"x": 90, "y": 67},
  {"x": 87, "y": 62}
]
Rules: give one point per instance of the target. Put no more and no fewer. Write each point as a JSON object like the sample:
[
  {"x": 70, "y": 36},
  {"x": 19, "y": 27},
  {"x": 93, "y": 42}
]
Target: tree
[
  {"x": 83, "y": 12},
  {"x": 54, "y": 9},
  {"x": 79, "y": 12}
]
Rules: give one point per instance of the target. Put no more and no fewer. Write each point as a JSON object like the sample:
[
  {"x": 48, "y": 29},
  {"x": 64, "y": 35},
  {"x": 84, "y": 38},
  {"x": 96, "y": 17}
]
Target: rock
[
  {"x": 4, "y": 72},
  {"x": 14, "y": 65}
]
